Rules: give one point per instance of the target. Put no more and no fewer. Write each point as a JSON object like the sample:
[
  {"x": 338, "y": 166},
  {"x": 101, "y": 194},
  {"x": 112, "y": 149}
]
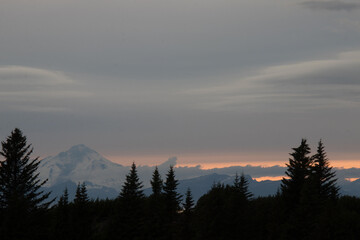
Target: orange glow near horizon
[
  {"x": 227, "y": 160},
  {"x": 271, "y": 178},
  {"x": 351, "y": 179},
  {"x": 207, "y": 166},
  {"x": 205, "y": 161}
]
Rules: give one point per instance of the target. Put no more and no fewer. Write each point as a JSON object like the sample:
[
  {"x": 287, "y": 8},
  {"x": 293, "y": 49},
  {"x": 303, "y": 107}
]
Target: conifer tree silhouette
[
  {"x": 172, "y": 201},
  {"x": 20, "y": 195},
  {"x": 189, "y": 202},
  {"x": 241, "y": 184},
  {"x": 64, "y": 199},
  {"x": 62, "y": 225},
  {"x": 132, "y": 188},
  {"x": 323, "y": 178},
  {"x": 81, "y": 213},
  {"x": 156, "y": 183},
  {"x": 131, "y": 200},
  {"x": 172, "y": 197},
  {"x": 81, "y": 196},
  {"x": 298, "y": 171},
  {"x": 156, "y": 222}
]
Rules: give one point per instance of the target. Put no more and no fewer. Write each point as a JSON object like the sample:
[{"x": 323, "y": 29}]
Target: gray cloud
[
  {"x": 332, "y": 83},
  {"x": 331, "y": 5},
  {"x": 35, "y": 90},
  {"x": 171, "y": 77}
]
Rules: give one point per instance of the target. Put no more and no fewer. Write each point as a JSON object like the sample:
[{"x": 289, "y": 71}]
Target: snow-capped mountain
[
  {"x": 79, "y": 164},
  {"x": 104, "y": 178}
]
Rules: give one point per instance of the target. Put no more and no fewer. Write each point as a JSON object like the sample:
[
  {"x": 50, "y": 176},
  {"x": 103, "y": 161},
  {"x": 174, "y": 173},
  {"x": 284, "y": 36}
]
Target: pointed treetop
[
  {"x": 156, "y": 183},
  {"x": 323, "y": 177},
  {"x": 298, "y": 170},
  {"x": 173, "y": 198},
  {"x": 19, "y": 179},
  {"x": 81, "y": 196},
  {"x": 132, "y": 187},
  {"x": 64, "y": 199},
  {"x": 189, "y": 202},
  {"x": 241, "y": 184}
]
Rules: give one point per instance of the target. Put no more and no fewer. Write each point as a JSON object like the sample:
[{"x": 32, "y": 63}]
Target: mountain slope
[
  {"x": 79, "y": 164},
  {"x": 105, "y": 178}
]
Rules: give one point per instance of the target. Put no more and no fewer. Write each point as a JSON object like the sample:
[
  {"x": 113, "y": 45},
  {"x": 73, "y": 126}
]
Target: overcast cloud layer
[{"x": 179, "y": 77}]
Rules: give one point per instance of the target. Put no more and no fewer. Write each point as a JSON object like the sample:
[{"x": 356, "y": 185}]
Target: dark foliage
[
  {"x": 298, "y": 171},
  {"x": 132, "y": 188},
  {"x": 156, "y": 183},
  {"x": 22, "y": 203},
  {"x": 189, "y": 202},
  {"x": 129, "y": 222},
  {"x": 172, "y": 200},
  {"x": 323, "y": 178},
  {"x": 224, "y": 212},
  {"x": 172, "y": 197},
  {"x": 241, "y": 184},
  {"x": 81, "y": 221}
]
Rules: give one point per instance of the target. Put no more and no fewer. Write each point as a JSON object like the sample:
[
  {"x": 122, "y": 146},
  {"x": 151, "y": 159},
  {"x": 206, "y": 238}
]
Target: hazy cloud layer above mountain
[
  {"x": 332, "y": 5},
  {"x": 166, "y": 78},
  {"x": 29, "y": 89},
  {"x": 304, "y": 86}
]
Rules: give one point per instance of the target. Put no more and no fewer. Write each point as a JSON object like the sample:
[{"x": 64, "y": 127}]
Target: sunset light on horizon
[
  {"x": 212, "y": 161},
  {"x": 181, "y": 119}
]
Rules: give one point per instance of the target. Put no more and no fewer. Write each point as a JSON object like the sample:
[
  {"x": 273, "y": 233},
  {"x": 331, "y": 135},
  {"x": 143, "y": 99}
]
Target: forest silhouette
[{"x": 307, "y": 205}]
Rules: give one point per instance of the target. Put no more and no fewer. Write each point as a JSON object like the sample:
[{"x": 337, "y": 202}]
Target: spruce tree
[
  {"x": 323, "y": 177},
  {"x": 64, "y": 199},
  {"x": 81, "y": 196},
  {"x": 81, "y": 215},
  {"x": 132, "y": 188},
  {"x": 172, "y": 197},
  {"x": 156, "y": 214},
  {"x": 241, "y": 184},
  {"x": 172, "y": 201},
  {"x": 62, "y": 225},
  {"x": 186, "y": 230},
  {"x": 189, "y": 202},
  {"x": 298, "y": 172},
  {"x": 130, "y": 222},
  {"x": 20, "y": 194},
  {"x": 156, "y": 183}
]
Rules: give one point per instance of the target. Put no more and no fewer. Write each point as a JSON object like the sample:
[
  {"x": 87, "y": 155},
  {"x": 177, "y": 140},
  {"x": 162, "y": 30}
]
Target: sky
[{"x": 207, "y": 81}]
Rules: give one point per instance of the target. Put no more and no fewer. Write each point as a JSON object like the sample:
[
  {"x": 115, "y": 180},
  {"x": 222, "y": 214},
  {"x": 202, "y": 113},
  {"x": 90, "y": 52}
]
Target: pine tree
[
  {"x": 20, "y": 194},
  {"x": 189, "y": 202},
  {"x": 62, "y": 225},
  {"x": 156, "y": 183},
  {"x": 81, "y": 196},
  {"x": 172, "y": 197},
  {"x": 19, "y": 180},
  {"x": 81, "y": 214},
  {"x": 132, "y": 188},
  {"x": 241, "y": 184},
  {"x": 186, "y": 230},
  {"x": 172, "y": 200},
  {"x": 64, "y": 199},
  {"x": 323, "y": 177},
  {"x": 130, "y": 220},
  {"x": 156, "y": 209},
  {"x": 298, "y": 172}
]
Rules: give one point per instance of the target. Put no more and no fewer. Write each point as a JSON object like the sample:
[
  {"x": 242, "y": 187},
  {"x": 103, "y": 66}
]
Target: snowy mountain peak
[
  {"x": 79, "y": 164},
  {"x": 78, "y": 153},
  {"x": 80, "y": 149}
]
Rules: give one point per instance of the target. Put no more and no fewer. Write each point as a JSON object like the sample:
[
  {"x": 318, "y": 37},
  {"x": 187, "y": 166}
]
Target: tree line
[{"x": 307, "y": 205}]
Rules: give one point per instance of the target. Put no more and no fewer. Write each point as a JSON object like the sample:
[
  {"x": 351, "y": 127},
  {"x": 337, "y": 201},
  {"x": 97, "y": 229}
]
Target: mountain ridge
[{"x": 104, "y": 178}]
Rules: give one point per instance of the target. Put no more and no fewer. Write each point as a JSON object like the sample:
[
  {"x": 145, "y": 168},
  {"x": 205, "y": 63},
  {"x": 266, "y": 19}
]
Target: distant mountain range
[{"x": 104, "y": 178}]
